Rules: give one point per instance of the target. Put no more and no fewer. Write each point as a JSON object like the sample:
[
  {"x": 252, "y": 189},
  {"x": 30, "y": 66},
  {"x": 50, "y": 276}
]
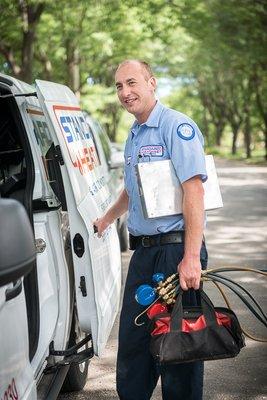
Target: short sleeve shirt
[{"x": 167, "y": 134}]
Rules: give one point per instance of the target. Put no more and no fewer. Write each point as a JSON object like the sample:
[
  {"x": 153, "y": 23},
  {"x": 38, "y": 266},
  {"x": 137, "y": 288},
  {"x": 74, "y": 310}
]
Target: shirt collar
[{"x": 153, "y": 119}]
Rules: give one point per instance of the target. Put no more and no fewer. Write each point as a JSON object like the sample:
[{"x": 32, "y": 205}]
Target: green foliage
[{"x": 212, "y": 51}]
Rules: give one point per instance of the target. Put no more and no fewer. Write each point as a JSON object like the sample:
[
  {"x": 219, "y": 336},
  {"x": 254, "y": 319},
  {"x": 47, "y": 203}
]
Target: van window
[
  {"x": 104, "y": 141},
  {"x": 12, "y": 157},
  {"x": 47, "y": 148}
]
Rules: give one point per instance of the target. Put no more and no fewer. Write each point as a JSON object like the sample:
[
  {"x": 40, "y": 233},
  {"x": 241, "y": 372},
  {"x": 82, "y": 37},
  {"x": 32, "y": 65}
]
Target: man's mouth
[{"x": 130, "y": 101}]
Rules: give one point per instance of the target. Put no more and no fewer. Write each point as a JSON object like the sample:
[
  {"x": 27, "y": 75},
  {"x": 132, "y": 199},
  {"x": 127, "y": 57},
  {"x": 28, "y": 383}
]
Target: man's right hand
[
  {"x": 114, "y": 212},
  {"x": 102, "y": 224}
]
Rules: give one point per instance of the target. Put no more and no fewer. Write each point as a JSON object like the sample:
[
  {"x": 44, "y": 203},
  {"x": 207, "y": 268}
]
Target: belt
[{"x": 155, "y": 240}]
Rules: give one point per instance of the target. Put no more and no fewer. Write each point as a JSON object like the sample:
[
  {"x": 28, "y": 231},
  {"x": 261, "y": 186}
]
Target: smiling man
[
  {"x": 136, "y": 87},
  {"x": 172, "y": 243}
]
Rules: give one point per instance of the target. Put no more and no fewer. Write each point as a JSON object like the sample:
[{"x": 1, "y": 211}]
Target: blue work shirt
[{"x": 167, "y": 134}]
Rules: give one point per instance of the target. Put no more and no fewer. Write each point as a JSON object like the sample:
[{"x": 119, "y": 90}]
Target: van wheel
[
  {"x": 123, "y": 236},
  {"x": 77, "y": 374}
]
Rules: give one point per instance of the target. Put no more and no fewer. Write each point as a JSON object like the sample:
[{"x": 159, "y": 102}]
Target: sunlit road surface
[{"x": 236, "y": 236}]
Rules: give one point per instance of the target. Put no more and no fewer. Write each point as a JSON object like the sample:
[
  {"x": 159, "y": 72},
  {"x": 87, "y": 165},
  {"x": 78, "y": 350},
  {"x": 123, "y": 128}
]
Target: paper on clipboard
[{"x": 161, "y": 191}]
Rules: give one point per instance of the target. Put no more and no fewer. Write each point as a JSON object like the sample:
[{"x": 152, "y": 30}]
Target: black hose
[
  {"x": 251, "y": 308},
  {"x": 244, "y": 290}
]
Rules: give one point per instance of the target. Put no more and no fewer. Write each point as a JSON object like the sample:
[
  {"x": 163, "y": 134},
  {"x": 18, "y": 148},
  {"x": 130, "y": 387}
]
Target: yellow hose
[
  {"x": 229, "y": 306},
  {"x": 257, "y": 271}
]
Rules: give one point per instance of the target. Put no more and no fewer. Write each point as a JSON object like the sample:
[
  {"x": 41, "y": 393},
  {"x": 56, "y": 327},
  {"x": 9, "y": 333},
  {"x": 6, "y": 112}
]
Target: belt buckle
[{"x": 145, "y": 241}]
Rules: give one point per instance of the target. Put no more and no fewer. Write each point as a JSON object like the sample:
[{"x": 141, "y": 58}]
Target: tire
[
  {"x": 77, "y": 374},
  {"x": 123, "y": 236}
]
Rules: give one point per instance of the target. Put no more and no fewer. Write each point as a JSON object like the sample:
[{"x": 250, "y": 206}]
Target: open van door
[
  {"x": 97, "y": 261},
  {"x": 16, "y": 260}
]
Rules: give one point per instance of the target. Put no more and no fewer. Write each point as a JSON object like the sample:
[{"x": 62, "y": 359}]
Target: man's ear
[{"x": 153, "y": 82}]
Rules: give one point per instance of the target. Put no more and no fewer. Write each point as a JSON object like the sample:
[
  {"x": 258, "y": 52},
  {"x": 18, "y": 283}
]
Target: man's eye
[{"x": 131, "y": 83}]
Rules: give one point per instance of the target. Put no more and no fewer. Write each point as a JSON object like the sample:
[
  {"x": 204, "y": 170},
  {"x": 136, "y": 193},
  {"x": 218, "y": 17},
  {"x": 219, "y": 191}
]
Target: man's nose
[{"x": 126, "y": 91}]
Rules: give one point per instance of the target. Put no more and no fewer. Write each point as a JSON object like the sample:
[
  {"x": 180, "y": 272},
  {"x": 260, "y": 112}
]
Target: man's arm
[
  {"x": 193, "y": 212},
  {"x": 114, "y": 212}
]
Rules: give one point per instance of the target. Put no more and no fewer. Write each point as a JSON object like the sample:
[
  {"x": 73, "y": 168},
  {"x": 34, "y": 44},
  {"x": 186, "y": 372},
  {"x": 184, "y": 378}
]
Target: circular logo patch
[{"x": 186, "y": 131}]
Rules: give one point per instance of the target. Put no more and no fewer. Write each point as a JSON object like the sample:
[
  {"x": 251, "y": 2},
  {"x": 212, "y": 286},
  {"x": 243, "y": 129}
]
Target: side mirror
[{"x": 17, "y": 242}]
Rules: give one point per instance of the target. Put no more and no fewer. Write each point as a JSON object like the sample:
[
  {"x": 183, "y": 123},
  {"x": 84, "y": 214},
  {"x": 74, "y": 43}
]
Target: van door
[
  {"x": 97, "y": 261},
  {"x": 16, "y": 376}
]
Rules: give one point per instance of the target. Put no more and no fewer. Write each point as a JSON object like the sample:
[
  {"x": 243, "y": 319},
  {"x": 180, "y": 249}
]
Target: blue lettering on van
[
  {"x": 75, "y": 128},
  {"x": 65, "y": 125}
]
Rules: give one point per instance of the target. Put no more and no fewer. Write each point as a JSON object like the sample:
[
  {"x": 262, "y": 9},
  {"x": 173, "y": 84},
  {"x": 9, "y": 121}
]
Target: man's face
[{"x": 135, "y": 90}]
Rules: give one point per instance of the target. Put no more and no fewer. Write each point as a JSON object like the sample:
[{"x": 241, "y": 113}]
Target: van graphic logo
[{"x": 78, "y": 138}]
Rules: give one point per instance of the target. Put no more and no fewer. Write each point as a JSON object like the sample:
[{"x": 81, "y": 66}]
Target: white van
[{"x": 61, "y": 313}]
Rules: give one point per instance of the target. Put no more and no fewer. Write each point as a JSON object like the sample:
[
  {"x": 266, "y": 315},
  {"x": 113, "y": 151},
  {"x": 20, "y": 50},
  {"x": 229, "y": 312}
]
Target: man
[{"x": 173, "y": 242}]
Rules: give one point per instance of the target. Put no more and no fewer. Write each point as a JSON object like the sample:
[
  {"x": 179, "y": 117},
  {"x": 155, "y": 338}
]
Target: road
[{"x": 236, "y": 236}]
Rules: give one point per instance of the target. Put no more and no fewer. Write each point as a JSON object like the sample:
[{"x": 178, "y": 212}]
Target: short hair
[{"x": 143, "y": 64}]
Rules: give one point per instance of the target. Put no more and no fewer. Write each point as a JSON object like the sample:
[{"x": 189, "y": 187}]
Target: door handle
[{"x": 11, "y": 293}]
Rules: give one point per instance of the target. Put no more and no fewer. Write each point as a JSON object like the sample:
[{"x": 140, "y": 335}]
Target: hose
[
  {"x": 244, "y": 290},
  {"x": 249, "y": 306},
  {"x": 214, "y": 276},
  {"x": 235, "y": 269},
  {"x": 249, "y": 335}
]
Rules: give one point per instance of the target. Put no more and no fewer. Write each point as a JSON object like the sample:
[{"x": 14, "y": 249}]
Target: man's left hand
[{"x": 189, "y": 271}]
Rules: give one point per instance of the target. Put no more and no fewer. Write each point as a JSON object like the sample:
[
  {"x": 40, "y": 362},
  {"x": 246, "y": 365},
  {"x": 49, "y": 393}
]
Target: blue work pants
[{"x": 137, "y": 372}]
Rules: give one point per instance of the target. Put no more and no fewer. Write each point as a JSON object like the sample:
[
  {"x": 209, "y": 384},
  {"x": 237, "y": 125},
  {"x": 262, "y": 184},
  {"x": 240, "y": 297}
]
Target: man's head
[{"x": 136, "y": 86}]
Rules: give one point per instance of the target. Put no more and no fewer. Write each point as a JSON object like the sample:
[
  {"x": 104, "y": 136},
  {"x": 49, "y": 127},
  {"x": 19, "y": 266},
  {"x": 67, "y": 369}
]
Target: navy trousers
[{"x": 137, "y": 372}]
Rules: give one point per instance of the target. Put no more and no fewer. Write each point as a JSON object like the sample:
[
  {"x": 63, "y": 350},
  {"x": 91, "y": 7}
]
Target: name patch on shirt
[
  {"x": 151, "y": 150},
  {"x": 186, "y": 131}
]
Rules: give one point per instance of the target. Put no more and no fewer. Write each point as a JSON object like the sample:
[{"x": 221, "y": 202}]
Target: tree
[{"x": 17, "y": 46}]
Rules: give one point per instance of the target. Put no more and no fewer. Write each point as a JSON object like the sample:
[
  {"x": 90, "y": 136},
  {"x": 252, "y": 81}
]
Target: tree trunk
[
  {"x": 73, "y": 68},
  {"x": 42, "y": 57},
  {"x": 206, "y": 132},
  {"x": 27, "y": 55},
  {"x": 30, "y": 15},
  {"x": 7, "y": 52},
  {"x": 247, "y": 135},
  {"x": 262, "y": 111},
  {"x": 265, "y": 139},
  {"x": 219, "y": 132},
  {"x": 235, "y": 134},
  {"x": 22, "y": 68}
]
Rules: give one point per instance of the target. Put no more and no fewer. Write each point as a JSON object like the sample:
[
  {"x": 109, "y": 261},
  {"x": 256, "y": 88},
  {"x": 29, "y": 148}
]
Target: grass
[{"x": 257, "y": 155}]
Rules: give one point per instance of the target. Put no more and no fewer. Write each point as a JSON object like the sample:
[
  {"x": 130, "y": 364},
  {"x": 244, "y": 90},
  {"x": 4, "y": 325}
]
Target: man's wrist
[
  {"x": 109, "y": 217},
  {"x": 192, "y": 256}
]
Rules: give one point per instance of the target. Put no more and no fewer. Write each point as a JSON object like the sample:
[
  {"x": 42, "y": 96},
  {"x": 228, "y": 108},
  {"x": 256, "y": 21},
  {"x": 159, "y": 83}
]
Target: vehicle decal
[
  {"x": 78, "y": 138},
  {"x": 11, "y": 393}
]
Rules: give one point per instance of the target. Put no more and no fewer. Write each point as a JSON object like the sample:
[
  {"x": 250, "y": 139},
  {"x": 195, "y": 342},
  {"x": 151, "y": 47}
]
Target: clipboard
[{"x": 161, "y": 192}]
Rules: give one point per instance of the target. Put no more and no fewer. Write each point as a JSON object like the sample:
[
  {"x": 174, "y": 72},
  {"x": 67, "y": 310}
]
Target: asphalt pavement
[{"x": 236, "y": 235}]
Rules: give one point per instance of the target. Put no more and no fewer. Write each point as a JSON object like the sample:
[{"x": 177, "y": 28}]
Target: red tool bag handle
[{"x": 206, "y": 306}]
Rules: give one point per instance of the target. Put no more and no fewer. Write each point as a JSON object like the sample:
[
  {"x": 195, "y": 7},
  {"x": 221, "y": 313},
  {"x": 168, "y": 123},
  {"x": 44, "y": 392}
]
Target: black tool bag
[{"x": 195, "y": 333}]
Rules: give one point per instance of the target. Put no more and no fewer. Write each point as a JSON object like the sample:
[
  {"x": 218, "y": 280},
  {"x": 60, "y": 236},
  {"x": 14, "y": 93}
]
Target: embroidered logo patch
[
  {"x": 186, "y": 131},
  {"x": 151, "y": 151}
]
